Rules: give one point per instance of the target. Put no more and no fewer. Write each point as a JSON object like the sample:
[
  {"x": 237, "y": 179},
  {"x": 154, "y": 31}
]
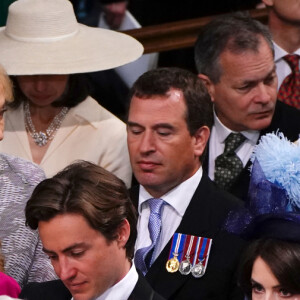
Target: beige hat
[{"x": 44, "y": 37}]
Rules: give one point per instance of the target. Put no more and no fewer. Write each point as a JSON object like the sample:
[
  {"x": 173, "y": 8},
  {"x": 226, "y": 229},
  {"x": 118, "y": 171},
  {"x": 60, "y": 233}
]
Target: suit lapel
[
  {"x": 198, "y": 213},
  {"x": 68, "y": 126},
  {"x": 17, "y": 130},
  {"x": 142, "y": 290}
]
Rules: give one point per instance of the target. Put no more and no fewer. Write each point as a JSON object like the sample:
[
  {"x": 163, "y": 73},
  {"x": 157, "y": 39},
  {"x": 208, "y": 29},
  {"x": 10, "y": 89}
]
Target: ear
[
  {"x": 209, "y": 85},
  {"x": 201, "y": 138},
  {"x": 123, "y": 233},
  {"x": 268, "y": 2}
]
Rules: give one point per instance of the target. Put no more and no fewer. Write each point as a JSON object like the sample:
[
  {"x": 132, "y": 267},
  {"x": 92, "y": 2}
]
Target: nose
[
  {"x": 264, "y": 93},
  {"x": 64, "y": 269},
  {"x": 40, "y": 83},
  {"x": 147, "y": 143}
]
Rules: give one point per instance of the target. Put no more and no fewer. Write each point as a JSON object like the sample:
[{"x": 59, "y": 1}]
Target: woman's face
[
  {"x": 265, "y": 286},
  {"x": 43, "y": 90}
]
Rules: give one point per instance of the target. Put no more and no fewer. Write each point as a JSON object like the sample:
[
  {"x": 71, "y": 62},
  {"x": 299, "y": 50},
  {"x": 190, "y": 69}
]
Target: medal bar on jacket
[{"x": 189, "y": 254}]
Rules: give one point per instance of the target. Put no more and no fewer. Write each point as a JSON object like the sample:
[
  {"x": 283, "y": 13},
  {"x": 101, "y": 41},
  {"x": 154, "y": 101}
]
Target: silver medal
[
  {"x": 198, "y": 270},
  {"x": 185, "y": 266}
]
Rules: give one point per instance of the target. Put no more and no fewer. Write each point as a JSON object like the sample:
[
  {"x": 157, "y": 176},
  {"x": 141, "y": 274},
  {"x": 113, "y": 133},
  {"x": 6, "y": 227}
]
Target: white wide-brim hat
[{"x": 44, "y": 37}]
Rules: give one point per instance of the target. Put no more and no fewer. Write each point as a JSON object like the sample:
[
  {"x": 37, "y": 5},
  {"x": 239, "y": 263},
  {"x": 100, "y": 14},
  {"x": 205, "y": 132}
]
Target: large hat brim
[{"x": 89, "y": 50}]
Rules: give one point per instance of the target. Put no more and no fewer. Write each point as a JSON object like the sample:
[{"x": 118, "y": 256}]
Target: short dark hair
[
  {"x": 89, "y": 190},
  {"x": 78, "y": 88},
  {"x": 236, "y": 32},
  {"x": 159, "y": 81},
  {"x": 282, "y": 257}
]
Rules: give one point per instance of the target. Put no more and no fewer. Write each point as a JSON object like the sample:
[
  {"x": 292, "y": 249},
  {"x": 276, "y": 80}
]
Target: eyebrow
[
  {"x": 74, "y": 246},
  {"x": 132, "y": 124},
  {"x": 156, "y": 126},
  {"x": 258, "y": 283}
]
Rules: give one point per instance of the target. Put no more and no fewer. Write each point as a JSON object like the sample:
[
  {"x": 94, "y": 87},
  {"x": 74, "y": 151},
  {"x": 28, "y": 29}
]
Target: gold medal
[{"x": 172, "y": 265}]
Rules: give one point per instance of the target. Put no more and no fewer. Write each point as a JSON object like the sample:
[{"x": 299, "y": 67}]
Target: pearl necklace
[{"x": 42, "y": 138}]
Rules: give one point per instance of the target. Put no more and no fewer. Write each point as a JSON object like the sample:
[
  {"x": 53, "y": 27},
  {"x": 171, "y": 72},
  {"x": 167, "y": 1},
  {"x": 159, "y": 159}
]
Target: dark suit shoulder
[
  {"x": 218, "y": 200},
  {"x": 134, "y": 195},
  {"x": 47, "y": 290},
  {"x": 286, "y": 119},
  {"x": 143, "y": 291}
]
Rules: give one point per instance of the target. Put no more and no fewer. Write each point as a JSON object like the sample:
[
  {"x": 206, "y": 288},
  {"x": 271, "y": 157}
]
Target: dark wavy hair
[
  {"x": 282, "y": 257},
  {"x": 89, "y": 190},
  {"x": 78, "y": 88}
]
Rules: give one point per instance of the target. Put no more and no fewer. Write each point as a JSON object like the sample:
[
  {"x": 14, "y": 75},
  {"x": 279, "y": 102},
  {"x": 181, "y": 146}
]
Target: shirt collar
[
  {"x": 280, "y": 53},
  {"x": 175, "y": 197},
  {"x": 123, "y": 288},
  {"x": 223, "y": 131}
]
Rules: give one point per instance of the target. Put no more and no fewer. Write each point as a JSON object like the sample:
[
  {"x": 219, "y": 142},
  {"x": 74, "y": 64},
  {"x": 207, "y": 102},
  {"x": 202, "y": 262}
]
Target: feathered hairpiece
[{"x": 273, "y": 206}]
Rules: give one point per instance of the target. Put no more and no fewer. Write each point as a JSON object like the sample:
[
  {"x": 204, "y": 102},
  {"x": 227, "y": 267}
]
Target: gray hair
[{"x": 236, "y": 32}]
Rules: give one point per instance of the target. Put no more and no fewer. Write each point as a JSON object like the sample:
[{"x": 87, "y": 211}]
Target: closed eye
[
  {"x": 164, "y": 133},
  {"x": 52, "y": 257},
  {"x": 77, "y": 253}
]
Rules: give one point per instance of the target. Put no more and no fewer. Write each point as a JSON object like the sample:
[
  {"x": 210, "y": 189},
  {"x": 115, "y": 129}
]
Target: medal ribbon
[
  {"x": 202, "y": 251},
  {"x": 205, "y": 253},
  {"x": 178, "y": 242},
  {"x": 189, "y": 246}
]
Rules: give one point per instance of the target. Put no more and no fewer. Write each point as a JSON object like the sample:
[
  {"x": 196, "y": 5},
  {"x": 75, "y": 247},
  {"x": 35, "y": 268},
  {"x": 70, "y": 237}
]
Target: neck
[
  {"x": 286, "y": 35},
  {"x": 124, "y": 269},
  {"x": 43, "y": 115}
]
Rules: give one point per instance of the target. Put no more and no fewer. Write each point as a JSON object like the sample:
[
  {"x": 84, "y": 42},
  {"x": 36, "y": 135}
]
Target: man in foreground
[{"x": 87, "y": 225}]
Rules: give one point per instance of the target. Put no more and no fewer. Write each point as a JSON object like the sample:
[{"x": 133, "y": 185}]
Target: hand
[{"x": 114, "y": 13}]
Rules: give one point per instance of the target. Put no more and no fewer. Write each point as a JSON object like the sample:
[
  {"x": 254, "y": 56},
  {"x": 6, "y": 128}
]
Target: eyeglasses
[{"x": 2, "y": 111}]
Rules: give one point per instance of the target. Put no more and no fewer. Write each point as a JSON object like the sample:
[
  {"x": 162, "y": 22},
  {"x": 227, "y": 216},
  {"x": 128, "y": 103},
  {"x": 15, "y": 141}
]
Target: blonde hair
[{"x": 6, "y": 84}]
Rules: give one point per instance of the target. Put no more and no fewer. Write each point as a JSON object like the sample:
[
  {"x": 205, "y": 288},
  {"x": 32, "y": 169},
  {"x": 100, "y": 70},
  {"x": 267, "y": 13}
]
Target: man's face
[
  {"x": 162, "y": 152},
  {"x": 43, "y": 90},
  {"x": 82, "y": 257},
  {"x": 287, "y": 11},
  {"x": 245, "y": 96}
]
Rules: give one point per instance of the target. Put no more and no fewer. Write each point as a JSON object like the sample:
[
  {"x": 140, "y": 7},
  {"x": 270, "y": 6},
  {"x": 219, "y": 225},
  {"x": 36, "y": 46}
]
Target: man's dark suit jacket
[
  {"x": 286, "y": 119},
  {"x": 56, "y": 290},
  {"x": 204, "y": 217}
]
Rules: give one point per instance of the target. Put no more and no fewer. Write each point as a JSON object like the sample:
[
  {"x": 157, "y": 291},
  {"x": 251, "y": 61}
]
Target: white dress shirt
[
  {"x": 217, "y": 144},
  {"x": 282, "y": 67},
  {"x": 122, "y": 289},
  {"x": 177, "y": 201}
]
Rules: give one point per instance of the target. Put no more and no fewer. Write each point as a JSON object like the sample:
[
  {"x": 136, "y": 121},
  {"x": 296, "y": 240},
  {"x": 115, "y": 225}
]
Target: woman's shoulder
[
  {"x": 28, "y": 171},
  {"x": 93, "y": 112}
]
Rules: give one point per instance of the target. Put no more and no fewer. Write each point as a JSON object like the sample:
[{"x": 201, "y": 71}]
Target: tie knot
[
  {"x": 293, "y": 61},
  {"x": 233, "y": 141},
  {"x": 155, "y": 205}
]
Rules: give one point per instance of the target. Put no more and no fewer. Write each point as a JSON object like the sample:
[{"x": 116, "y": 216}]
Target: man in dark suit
[
  {"x": 87, "y": 225},
  {"x": 235, "y": 59},
  {"x": 169, "y": 123}
]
